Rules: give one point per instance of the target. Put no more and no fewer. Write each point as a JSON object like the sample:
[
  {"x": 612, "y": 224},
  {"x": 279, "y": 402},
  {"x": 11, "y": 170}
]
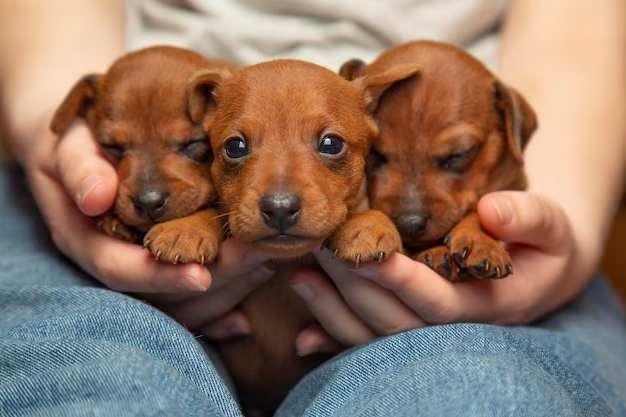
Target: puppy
[
  {"x": 137, "y": 111},
  {"x": 290, "y": 140},
  {"x": 447, "y": 137}
]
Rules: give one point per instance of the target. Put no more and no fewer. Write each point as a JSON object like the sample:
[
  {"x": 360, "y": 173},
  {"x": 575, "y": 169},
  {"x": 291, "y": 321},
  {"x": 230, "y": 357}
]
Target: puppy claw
[
  {"x": 484, "y": 265},
  {"x": 357, "y": 261},
  {"x": 157, "y": 255},
  {"x": 509, "y": 269},
  {"x": 498, "y": 272},
  {"x": 445, "y": 268},
  {"x": 428, "y": 260},
  {"x": 146, "y": 243},
  {"x": 202, "y": 259},
  {"x": 446, "y": 240},
  {"x": 460, "y": 257},
  {"x": 463, "y": 274},
  {"x": 381, "y": 256},
  {"x": 176, "y": 259}
]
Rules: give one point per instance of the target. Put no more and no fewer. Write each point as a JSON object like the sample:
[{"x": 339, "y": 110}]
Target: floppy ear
[
  {"x": 375, "y": 86},
  {"x": 75, "y": 104},
  {"x": 352, "y": 69},
  {"x": 519, "y": 118},
  {"x": 201, "y": 92}
]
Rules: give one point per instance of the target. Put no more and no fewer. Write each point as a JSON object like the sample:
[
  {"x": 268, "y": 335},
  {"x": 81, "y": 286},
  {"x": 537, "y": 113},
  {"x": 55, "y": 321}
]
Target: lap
[
  {"x": 570, "y": 364},
  {"x": 70, "y": 347}
]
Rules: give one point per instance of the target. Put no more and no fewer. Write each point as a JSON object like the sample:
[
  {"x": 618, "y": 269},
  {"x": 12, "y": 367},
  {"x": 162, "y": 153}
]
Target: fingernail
[
  {"x": 303, "y": 290},
  {"x": 194, "y": 283},
  {"x": 305, "y": 351},
  {"x": 87, "y": 186},
  {"x": 504, "y": 209},
  {"x": 235, "y": 328}
]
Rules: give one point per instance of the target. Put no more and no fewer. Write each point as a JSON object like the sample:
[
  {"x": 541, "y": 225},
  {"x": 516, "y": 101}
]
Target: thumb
[
  {"x": 88, "y": 178},
  {"x": 524, "y": 217}
]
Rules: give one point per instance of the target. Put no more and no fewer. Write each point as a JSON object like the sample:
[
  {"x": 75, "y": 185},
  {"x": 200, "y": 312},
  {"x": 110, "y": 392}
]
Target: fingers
[
  {"x": 524, "y": 217},
  {"x": 87, "y": 176},
  {"x": 314, "y": 339},
  {"x": 430, "y": 296},
  {"x": 130, "y": 268},
  {"x": 235, "y": 259},
  {"x": 325, "y": 303},
  {"x": 382, "y": 310},
  {"x": 216, "y": 303},
  {"x": 119, "y": 265},
  {"x": 438, "y": 301},
  {"x": 231, "y": 325}
]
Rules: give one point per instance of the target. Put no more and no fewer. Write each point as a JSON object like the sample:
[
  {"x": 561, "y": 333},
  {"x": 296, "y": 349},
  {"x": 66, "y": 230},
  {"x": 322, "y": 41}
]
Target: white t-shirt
[{"x": 322, "y": 31}]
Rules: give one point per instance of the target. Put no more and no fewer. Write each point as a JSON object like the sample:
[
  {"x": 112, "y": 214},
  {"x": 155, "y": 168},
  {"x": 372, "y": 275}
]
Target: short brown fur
[
  {"x": 137, "y": 111},
  {"x": 447, "y": 137},
  {"x": 282, "y": 110}
]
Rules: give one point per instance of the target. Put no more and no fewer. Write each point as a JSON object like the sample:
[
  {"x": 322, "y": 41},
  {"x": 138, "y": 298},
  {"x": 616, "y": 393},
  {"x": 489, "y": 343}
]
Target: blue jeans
[{"x": 69, "y": 347}]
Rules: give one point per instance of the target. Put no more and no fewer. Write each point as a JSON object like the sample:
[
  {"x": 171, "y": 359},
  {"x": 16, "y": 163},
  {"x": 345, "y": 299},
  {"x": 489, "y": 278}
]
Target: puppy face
[
  {"x": 290, "y": 141},
  {"x": 137, "y": 112},
  {"x": 447, "y": 137}
]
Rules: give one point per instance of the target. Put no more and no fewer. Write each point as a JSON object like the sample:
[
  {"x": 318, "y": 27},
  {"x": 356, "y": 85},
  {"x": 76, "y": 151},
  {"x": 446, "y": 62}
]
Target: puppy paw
[
  {"x": 479, "y": 254},
  {"x": 439, "y": 260},
  {"x": 110, "y": 225},
  {"x": 177, "y": 241},
  {"x": 366, "y": 237}
]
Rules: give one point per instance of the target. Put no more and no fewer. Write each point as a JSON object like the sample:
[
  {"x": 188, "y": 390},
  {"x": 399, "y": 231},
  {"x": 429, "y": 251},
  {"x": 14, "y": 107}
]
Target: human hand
[
  {"x": 401, "y": 294},
  {"x": 237, "y": 271},
  {"x": 71, "y": 180}
]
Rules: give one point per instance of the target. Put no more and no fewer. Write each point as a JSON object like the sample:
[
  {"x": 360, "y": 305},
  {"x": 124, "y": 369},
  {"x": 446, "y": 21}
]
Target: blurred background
[{"x": 613, "y": 264}]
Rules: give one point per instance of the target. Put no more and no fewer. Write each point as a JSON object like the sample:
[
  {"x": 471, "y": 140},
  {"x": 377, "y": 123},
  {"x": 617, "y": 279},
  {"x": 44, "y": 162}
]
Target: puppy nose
[
  {"x": 151, "y": 202},
  {"x": 411, "y": 224},
  {"x": 280, "y": 211}
]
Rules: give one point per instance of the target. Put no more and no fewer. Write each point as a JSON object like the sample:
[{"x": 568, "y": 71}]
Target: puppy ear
[
  {"x": 76, "y": 103},
  {"x": 375, "y": 86},
  {"x": 201, "y": 92},
  {"x": 352, "y": 69},
  {"x": 520, "y": 120}
]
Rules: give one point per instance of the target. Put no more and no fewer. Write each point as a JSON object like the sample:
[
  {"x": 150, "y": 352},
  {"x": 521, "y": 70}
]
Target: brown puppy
[
  {"x": 447, "y": 137},
  {"x": 290, "y": 141},
  {"x": 137, "y": 112}
]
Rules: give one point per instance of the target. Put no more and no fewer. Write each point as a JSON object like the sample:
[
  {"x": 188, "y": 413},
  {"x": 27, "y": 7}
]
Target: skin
[
  {"x": 565, "y": 233},
  {"x": 73, "y": 180},
  {"x": 562, "y": 221}
]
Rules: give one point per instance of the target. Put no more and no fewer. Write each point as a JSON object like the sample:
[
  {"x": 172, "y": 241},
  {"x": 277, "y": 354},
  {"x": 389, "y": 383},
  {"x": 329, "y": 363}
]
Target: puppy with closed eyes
[
  {"x": 290, "y": 140},
  {"x": 137, "y": 112},
  {"x": 447, "y": 137}
]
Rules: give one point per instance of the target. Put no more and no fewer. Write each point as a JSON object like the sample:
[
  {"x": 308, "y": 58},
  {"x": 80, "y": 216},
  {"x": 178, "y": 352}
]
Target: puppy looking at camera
[
  {"x": 290, "y": 140},
  {"x": 137, "y": 112},
  {"x": 447, "y": 136}
]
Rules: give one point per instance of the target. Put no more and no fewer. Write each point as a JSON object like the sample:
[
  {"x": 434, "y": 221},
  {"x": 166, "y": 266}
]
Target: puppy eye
[
  {"x": 457, "y": 161},
  {"x": 375, "y": 160},
  {"x": 331, "y": 145},
  {"x": 236, "y": 147},
  {"x": 114, "y": 152},
  {"x": 196, "y": 150}
]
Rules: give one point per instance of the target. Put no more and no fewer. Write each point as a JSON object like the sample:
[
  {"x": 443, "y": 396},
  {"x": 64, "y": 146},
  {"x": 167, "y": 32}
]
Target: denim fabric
[{"x": 69, "y": 347}]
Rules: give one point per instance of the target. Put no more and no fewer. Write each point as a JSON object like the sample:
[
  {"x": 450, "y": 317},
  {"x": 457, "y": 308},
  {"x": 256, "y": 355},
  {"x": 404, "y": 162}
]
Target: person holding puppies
[{"x": 125, "y": 354}]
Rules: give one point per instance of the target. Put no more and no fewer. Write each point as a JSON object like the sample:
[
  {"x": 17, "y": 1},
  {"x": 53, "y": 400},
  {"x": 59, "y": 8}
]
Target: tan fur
[
  {"x": 139, "y": 106},
  {"x": 282, "y": 109},
  {"x": 455, "y": 104}
]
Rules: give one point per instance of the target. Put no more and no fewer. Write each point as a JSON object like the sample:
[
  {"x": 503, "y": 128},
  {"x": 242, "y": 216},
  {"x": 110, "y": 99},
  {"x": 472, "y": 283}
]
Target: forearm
[
  {"x": 568, "y": 59},
  {"x": 45, "y": 46}
]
